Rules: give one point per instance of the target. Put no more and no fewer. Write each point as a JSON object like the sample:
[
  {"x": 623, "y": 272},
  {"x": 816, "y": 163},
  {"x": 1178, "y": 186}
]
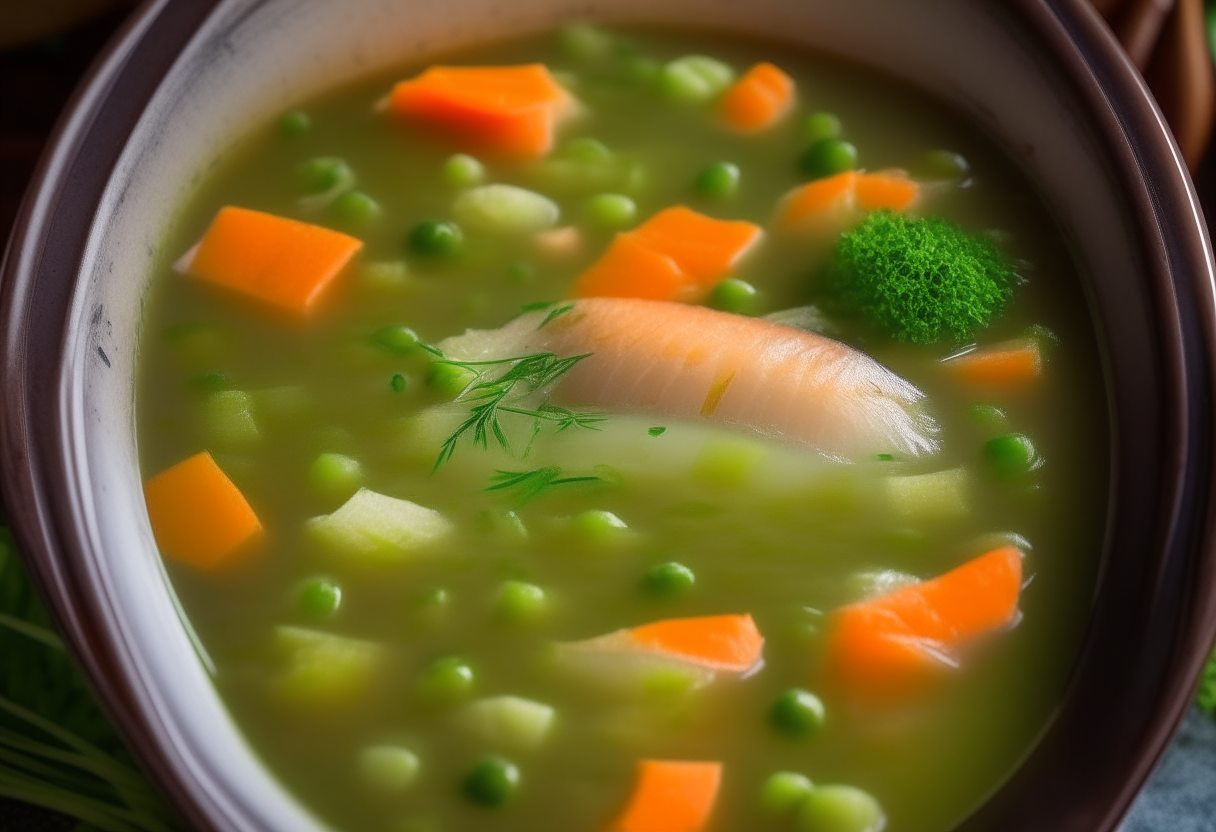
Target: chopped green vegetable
[
  {"x": 505, "y": 209},
  {"x": 797, "y": 713},
  {"x": 397, "y": 383},
  {"x": 492, "y": 782},
  {"x": 509, "y": 722},
  {"x": 446, "y": 680},
  {"x": 355, "y": 207},
  {"x": 375, "y": 529},
  {"x": 598, "y": 525},
  {"x": 611, "y": 210},
  {"x": 519, "y": 602},
  {"x": 668, "y": 580},
  {"x": 335, "y": 475},
  {"x": 657, "y": 430},
  {"x": 827, "y": 157},
  {"x": 840, "y": 809},
  {"x": 294, "y": 124},
  {"x": 324, "y": 175},
  {"x": 320, "y": 597},
  {"x": 1011, "y": 456},
  {"x": 923, "y": 280},
  {"x": 436, "y": 239},
  {"x": 784, "y": 791},
  {"x": 822, "y": 125},
  {"x": 389, "y": 768},
  {"x": 718, "y": 181},
  {"x": 228, "y": 415},
  {"x": 734, "y": 295},
  {"x": 694, "y": 79},
  {"x": 463, "y": 171}
]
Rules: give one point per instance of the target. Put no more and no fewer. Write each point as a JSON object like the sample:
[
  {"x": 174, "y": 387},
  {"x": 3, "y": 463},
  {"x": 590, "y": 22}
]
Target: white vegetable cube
[
  {"x": 324, "y": 670},
  {"x": 379, "y": 529},
  {"x": 229, "y": 418},
  {"x": 505, "y": 209},
  {"x": 942, "y": 495},
  {"x": 508, "y": 721}
]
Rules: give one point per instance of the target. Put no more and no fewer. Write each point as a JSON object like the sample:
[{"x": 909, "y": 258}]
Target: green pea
[
  {"x": 324, "y": 173},
  {"x": 320, "y": 597},
  {"x": 840, "y": 809},
  {"x": 987, "y": 415},
  {"x": 463, "y": 171},
  {"x": 611, "y": 210},
  {"x": 598, "y": 525},
  {"x": 694, "y": 79},
  {"x": 436, "y": 239},
  {"x": 448, "y": 379},
  {"x": 586, "y": 149},
  {"x": 668, "y": 580},
  {"x": 718, "y": 181},
  {"x": 356, "y": 208},
  {"x": 784, "y": 791},
  {"x": 827, "y": 157},
  {"x": 519, "y": 601},
  {"x": 397, "y": 339},
  {"x": 389, "y": 768},
  {"x": 397, "y": 383},
  {"x": 446, "y": 680},
  {"x": 945, "y": 164},
  {"x": 492, "y": 782},
  {"x": 1011, "y": 455},
  {"x": 734, "y": 295},
  {"x": 294, "y": 123},
  {"x": 822, "y": 125},
  {"x": 335, "y": 475},
  {"x": 797, "y": 713}
]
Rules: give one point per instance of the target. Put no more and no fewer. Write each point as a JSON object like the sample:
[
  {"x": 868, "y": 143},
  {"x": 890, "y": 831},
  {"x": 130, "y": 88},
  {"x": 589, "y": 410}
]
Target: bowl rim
[{"x": 46, "y": 246}]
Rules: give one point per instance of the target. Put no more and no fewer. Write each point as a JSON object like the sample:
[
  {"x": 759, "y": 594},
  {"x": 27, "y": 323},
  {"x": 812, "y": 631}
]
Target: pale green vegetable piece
[
  {"x": 389, "y": 768},
  {"x": 784, "y": 791},
  {"x": 229, "y": 418},
  {"x": 597, "y": 525},
  {"x": 335, "y": 475},
  {"x": 942, "y": 495},
  {"x": 728, "y": 463},
  {"x": 463, "y": 171},
  {"x": 505, "y": 209},
  {"x": 840, "y": 809},
  {"x": 509, "y": 722},
  {"x": 694, "y": 79},
  {"x": 322, "y": 669},
  {"x": 379, "y": 530}
]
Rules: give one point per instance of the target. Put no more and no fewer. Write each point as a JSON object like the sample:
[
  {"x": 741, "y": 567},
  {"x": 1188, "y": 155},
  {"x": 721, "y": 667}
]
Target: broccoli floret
[{"x": 922, "y": 280}]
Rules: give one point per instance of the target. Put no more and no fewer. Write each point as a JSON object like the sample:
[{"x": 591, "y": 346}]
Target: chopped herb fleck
[
  {"x": 657, "y": 430},
  {"x": 528, "y": 485}
]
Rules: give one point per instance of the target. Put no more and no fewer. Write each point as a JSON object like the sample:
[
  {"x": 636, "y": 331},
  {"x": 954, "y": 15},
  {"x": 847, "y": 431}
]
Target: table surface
[{"x": 37, "y": 80}]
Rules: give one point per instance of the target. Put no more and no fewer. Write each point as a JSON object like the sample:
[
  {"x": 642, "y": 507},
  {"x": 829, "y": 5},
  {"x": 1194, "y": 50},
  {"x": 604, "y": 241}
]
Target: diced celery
[
  {"x": 694, "y": 79},
  {"x": 388, "y": 768},
  {"x": 229, "y": 418},
  {"x": 377, "y": 529},
  {"x": 509, "y": 722},
  {"x": 505, "y": 209},
  {"x": 728, "y": 463},
  {"x": 322, "y": 669},
  {"x": 942, "y": 495}
]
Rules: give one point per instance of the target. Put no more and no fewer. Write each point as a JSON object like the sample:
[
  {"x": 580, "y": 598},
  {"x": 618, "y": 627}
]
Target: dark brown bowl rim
[{"x": 1103, "y": 744}]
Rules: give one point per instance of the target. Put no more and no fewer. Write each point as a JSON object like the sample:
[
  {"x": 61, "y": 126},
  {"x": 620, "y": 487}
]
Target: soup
[{"x": 563, "y": 437}]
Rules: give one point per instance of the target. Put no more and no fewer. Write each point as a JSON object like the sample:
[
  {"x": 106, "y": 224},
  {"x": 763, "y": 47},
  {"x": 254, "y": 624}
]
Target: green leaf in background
[{"x": 57, "y": 749}]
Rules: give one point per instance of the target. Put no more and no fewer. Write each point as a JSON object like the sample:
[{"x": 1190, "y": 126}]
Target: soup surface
[{"x": 406, "y": 669}]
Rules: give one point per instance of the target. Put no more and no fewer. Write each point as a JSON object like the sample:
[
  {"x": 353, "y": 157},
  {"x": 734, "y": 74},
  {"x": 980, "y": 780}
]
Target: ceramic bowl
[{"x": 187, "y": 78}]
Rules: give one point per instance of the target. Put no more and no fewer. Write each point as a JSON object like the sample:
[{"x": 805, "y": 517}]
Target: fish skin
[{"x": 677, "y": 360}]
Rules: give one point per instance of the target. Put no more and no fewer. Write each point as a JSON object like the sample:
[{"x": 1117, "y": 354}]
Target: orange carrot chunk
[
  {"x": 893, "y": 645},
  {"x": 757, "y": 100},
  {"x": 629, "y": 269},
  {"x": 198, "y": 516},
  {"x": 722, "y": 642},
  {"x": 282, "y": 262},
  {"x": 704, "y": 248},
  {"x": 505, "y": 110},
  {"x": 885, "y": 189},
  {"x": 814, "y": 203},
  {"x": 1010, "y": 365},
  {"x": 670, "y": 796}
]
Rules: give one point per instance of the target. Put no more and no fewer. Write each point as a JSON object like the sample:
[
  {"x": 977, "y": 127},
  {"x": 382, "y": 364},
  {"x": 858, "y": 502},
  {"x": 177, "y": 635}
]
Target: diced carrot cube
[
  {"x": 757, "y": 100},
  {"x": 1010, "y": 365},
  {"x": 892, "y": 645},
  {"x": 629, "y": 269},
  {"x": 507, "y": 110},
  {"x": 704, "y": 248},
  {"x": 279, "y": 261},
  {"x": 806, "y": 205},
  {"x": 722, "y": 642},
  {"x": 198, "y": 516},
  {"x": 670, "y": 796},
  {"x": 885, "y": 189}
]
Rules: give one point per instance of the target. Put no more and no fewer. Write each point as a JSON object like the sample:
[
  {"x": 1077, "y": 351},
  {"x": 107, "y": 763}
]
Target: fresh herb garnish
[
  {"x": 492, "y": 395},
  {"x": 528, "y": 485},
  {"x": 656, "y": 431},
  {"x": 556, "y": 313}
]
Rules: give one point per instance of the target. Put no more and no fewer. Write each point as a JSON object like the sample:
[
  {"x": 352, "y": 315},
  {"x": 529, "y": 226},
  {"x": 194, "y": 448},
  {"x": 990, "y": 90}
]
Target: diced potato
[
  {"x": 378, "y": 529},
  {"x": 942, "y": 495},
  {"x": 508, "y": 721},
  {"x": 324, "y": 670},
  {"x": 505, "y": 209}
]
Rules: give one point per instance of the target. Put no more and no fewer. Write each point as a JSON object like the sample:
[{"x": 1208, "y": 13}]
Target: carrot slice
[
  {"x": 809, "y": 205},
  {"x": 670, "y": 796},
  {"x": 629, "y": 269},
  {"x": 722, "y": 642},
  {"x": 885, "y": 189},
  {"x": 894, "y": 644},
  {"x": 1010, "y": 365},
  {"x": 508, "y": 110},
  {"x": 198, "y": 516},
  {"x": 757, "y": 100},
  {"x": 282, "y": 262},
  {"x": 704, "y": 248}
]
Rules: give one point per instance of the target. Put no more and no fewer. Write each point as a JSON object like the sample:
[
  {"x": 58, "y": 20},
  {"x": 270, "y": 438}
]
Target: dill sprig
[
  {"x": 497, "y": 385},
  {"x": 528, "y": 485}
]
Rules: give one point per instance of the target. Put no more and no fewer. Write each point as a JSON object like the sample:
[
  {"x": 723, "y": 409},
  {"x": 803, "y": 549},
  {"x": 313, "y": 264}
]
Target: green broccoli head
[{"x": 922, "y": 280}]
